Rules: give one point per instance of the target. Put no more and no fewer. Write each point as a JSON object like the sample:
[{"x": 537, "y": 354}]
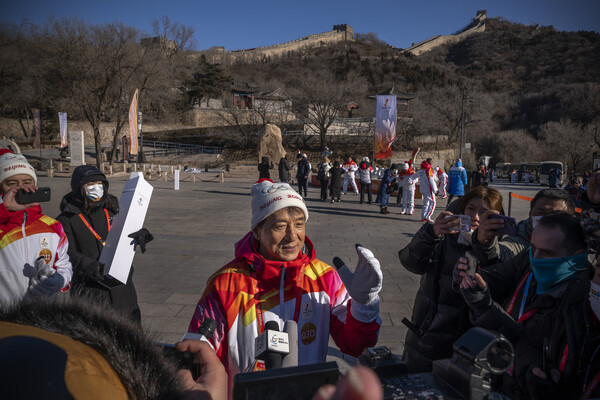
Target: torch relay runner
[{"x": 276, "y": 276}]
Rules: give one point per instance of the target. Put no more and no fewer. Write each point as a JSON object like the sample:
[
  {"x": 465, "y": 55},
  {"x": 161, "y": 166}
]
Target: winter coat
[
  {"x": 553, "y": 178},
  {"x": 504, "y": 249},
  {"x": 457, "y": 177},
  {"x": 284, "y": 170},
  {"x": 440, "y": 315},
  {"x": 383, "y": 194},
  {"x": 263, "y": 169},
  {"x": 25, "y": 236},
  {"x": 84, "y": 249},
  {"x": 529, "y": 322},
  {"x": 364, "y": 172},
  {"x": 303, "y": 168},
  {"x": 350, "y": 168},
  {"x": 250, "y": 290},
  {"x": 336, "y": 181}
]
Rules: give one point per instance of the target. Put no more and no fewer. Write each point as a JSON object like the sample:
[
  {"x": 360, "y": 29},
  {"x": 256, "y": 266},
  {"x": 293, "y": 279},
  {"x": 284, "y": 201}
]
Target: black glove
[
  {"x": 94, "y": 270},
  {"x": 539, "y": 388},
  {"x": 142, "y": 237},
  {"x": 478, "y": 299}
]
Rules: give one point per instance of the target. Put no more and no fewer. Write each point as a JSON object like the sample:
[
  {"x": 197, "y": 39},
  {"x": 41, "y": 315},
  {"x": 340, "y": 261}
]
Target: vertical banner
[
  {"x": 133, "y": 125},
  {"x": 62, "y": 123},
  {"x": 37, "y": 141},
  {"x": 385, "y": 126}
]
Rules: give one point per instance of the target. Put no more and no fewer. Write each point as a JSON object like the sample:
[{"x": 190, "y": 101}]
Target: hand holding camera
[
  {"x": 447, "y": 222},
  {"x": 492, "y": 224}
]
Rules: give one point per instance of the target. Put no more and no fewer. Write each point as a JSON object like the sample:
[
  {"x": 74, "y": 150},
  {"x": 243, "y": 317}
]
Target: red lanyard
[
  {"x": 591, "y": 387},
  {"x": 527, "y": 315},
  {"x": 563, "y": 360},
  {"x": 92, "y": 229},
  {"x": 514, "y": 298}
]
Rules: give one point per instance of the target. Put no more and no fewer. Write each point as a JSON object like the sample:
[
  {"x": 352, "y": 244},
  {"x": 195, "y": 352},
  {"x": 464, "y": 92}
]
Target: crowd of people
[{"x": 538, "y": 286}]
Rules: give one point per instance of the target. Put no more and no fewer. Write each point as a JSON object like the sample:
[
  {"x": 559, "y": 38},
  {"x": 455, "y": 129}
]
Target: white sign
[
  {"x": 76, "y": 148},
  {"x": 468, "y": 146},
  {"x": 176, "y": 179}
]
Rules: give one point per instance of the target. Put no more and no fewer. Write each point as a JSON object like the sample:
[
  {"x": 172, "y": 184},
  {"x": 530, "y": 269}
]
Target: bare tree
[
  {"x": 319, "y": 99},
  {"x": 568, "y": 141}
]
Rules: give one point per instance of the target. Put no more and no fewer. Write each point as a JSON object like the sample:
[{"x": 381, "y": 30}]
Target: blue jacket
[
  {"x": 303, "y": 168},
  {"x": 457, "y": 179}
]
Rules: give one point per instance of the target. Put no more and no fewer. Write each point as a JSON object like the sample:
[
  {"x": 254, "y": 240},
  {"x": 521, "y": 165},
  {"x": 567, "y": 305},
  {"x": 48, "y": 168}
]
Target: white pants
[
  {"x": 349, "y": 178},
  {"x": 428, "y": 204},
  {"x": 408, "y": 199}
]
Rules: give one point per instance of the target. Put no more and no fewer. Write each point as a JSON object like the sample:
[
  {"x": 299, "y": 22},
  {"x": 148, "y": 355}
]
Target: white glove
[
  {"x": 365, "y": 283},
  {"x": 45, "y": 281}
]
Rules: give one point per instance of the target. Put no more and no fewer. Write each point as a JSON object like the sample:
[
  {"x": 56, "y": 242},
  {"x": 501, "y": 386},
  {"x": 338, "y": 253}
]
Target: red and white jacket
[
  {"x": 350, "y": 168},
  {"x": 24, "y": 237},
  {"x": 249, "y": 291}
]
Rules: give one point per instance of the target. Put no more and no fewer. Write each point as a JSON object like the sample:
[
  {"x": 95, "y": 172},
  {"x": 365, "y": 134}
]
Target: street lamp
[{"x": 462, "y": 120}]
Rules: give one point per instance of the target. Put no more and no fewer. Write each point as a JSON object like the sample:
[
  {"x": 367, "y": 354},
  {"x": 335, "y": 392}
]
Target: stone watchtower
[{"x": 347, "y": 29}]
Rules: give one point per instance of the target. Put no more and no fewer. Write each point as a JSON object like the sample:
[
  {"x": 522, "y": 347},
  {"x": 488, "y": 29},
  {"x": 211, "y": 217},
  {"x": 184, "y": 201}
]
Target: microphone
[
  {"x": 291, "y": 359},
  {"x": 205, "y": 332},
  {"x": 271, "y": 345}
]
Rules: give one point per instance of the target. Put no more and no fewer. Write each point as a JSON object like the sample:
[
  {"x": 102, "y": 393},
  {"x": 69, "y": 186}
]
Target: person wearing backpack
[{"x": 323, "y": 177}]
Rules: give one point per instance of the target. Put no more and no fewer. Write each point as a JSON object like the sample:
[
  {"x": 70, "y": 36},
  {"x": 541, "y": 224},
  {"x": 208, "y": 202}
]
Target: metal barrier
[{"x": 161, "y": 148}]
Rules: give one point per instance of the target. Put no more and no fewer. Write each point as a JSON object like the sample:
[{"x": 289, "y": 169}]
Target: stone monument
[
  {"x": 76, "y": 148},
  {"x": 269, "y": 143}
]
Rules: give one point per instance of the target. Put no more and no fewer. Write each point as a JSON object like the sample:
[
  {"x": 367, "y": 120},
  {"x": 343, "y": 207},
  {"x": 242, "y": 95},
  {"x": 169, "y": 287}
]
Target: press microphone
[
  {"x": 271, "y": 345},
  {"x": 205, "y": 331},
  {"x": 291, "y": 359}
]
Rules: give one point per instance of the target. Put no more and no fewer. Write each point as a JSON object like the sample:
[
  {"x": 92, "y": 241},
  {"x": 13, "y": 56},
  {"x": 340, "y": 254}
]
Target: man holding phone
[
  {"x": 488, "y": 244},
  {"x": 33, "y": 246}
]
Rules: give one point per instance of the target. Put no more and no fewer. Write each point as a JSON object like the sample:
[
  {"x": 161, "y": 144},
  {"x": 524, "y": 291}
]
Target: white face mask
[
  {"x": 595, "y": 299},
  {"x": 94, "y": 192},
  {"x": 535, "y": 220}
]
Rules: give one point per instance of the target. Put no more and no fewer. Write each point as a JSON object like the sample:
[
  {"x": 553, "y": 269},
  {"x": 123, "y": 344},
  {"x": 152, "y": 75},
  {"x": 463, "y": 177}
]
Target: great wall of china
[
  {"x": 435, "y": 41},
  {"x": 340, "y": 33}
]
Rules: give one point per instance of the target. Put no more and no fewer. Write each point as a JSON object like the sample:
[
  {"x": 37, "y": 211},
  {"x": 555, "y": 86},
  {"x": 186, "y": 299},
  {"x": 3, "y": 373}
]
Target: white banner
[
  {"x": 386, "y": 117},
  {"x": 62, "y": 122}
]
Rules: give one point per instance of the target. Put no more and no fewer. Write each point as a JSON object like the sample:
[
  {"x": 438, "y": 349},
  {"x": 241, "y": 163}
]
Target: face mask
[
  {"x": 595, "y": 298},
  {"x": 94, "y": 192},
  {"x": 535, "y": 220},
  {"x": 549, "y": 272},
  {"x": 465, "y": 238}
]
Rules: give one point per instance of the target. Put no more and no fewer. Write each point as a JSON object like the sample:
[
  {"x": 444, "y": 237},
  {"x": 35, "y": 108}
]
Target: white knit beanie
[
  {"x": 15, "y": 164},
  {"x": 269, "y": 197}
]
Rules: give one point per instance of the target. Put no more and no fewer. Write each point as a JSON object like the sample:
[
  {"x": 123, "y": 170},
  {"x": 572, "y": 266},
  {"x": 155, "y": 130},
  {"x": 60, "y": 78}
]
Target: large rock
[{"x": 269, "y": 143}]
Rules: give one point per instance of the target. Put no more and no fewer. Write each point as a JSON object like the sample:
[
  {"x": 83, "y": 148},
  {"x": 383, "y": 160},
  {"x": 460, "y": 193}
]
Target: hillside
[{"x": 527, "y": 83}]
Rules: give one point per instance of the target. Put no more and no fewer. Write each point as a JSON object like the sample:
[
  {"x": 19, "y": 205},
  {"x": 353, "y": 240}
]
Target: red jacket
[{"x": 246, "y": 293}]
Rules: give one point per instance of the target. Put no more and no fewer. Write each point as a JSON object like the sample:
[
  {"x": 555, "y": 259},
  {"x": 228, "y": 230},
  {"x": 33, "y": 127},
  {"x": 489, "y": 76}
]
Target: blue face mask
[{"x": 549, "y": 272}]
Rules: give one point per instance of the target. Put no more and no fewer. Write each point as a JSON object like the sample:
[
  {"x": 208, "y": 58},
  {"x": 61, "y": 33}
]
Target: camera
[{"x": 477, "y": 356}]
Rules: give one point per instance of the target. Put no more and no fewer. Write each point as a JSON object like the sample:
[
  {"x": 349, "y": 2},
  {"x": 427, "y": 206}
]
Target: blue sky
[{"x": 245, "y": 24}]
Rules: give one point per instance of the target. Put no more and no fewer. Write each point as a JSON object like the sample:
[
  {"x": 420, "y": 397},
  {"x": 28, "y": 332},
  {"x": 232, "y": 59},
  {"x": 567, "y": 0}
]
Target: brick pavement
[{"x": 195, "y": 229}]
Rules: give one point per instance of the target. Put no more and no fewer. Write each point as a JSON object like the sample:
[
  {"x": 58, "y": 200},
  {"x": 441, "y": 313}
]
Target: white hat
[
  {"x": 405, "y": 165},
  {"x": 269, "y": 197},
  {"x": 15, "y": 164}
]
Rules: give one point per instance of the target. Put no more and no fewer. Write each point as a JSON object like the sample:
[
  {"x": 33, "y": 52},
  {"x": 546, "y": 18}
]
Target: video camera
[{"x": 477, "y": 356}]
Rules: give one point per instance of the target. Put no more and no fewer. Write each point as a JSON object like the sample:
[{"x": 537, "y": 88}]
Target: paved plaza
[{"x": 196, "y": 227}]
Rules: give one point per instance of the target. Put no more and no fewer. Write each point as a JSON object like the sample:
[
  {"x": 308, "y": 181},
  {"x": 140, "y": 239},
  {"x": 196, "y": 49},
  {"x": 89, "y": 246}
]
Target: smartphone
[
  {"x": 510, "y": 225},
  {"x": 40, "y": 196},
  {"x": 463, "y": 222},
  {"x": 472, "y": 261}
]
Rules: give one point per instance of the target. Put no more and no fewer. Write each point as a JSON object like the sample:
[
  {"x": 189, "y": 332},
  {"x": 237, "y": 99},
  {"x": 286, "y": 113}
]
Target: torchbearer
[{"x": 275, "y": 276}]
